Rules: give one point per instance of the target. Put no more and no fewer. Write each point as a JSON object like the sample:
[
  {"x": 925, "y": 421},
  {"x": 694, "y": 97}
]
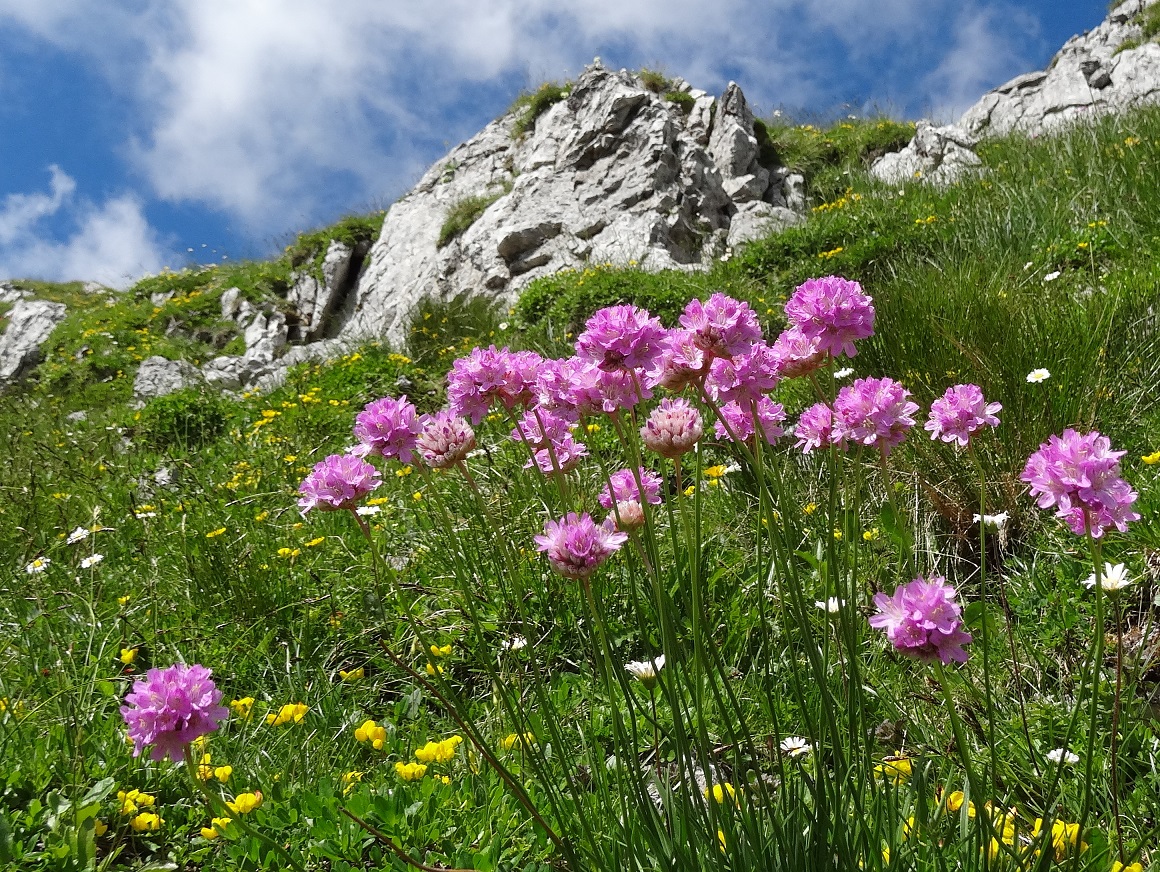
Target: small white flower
[
  {"x": 1114, "y": 578},
  {"x": 796, "y": 746},
  {"x": 77, "y": 535},
  {"x": 1028, "y": 265},
  {"x": 515, "y": 643},
  {"x": 844, "y": 371},
  {"x": 141, "y": 516},
  {"x": 832, "y": 605},
  {"x": 1052, "y": 276},
  {"x": 646, "y": 671},
  {"x": 1062, "y": 755},
  {"x": 92, "y": 560},
  {"x": 1038, "y": 375},
  {"x": 37, "y": 566},
  {"x": 503, "y": 325},
  {"x": 368, "y": 510},
  {"x": 996, "y": 522}
]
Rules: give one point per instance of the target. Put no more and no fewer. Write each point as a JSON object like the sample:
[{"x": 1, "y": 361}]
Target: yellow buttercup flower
[
  {"x": 1150, "y": 459},
  {"x": 352, "y": 675},
  {"x": 128, "y": 655},
  {"x": 955, "y": 802},
  {"x": 371, "y": 732},
  {"x": 721, "y": 791},
  {"x": 223, "y": 773},
  {"x": 1116, "y": 866},
  {"x": 439, "y": 752},
  {"x": 894, "y": 769},
  {"x": 146, "y": 822},
  {"x": 217, "y": 828},
  {"x": 133, "y": 801}
]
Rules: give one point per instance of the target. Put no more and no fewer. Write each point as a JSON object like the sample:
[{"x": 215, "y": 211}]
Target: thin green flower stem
[
  {"x": 964, "y": 749},
  {"x": 988, "y": 691},
  {"x": 905, "y": 562},
  {"x": 384, "y": 839},
  {"x": 218, "y": 808},
  {"x": 1097, "y": 674},
  {"x": 1116, "y": 727}
]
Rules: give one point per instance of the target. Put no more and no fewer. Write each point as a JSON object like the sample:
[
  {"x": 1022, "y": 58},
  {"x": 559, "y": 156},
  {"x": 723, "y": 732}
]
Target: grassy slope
[{"x": 219, "y": 567}]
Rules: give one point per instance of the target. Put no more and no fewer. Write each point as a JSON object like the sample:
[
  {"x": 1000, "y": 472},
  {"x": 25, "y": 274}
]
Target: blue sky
[{"x": 137, "y": 134}]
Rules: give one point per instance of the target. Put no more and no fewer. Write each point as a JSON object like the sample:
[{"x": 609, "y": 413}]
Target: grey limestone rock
[
  {"x": 1098, "y": 71},
  {"x": 30, "y": 324},
  {"x": 158, "y": 376},
  {"x": 937, "y": 155},
  {"x": 611, "y": 174}
]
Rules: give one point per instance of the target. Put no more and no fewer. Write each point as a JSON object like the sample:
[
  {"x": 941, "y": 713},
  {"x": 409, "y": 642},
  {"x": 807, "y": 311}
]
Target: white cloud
[{"x": 111, "y": 243}]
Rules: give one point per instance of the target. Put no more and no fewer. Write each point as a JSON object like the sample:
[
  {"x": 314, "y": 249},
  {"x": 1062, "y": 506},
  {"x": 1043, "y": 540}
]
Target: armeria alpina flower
[
  {"x": 539, "y": 427},
  {"x": 835, "y": 311},
  {"x": 388, "y": 428},
  {"x": 745, "y": 376},
  {"x": 796, "y": 353},
  {"x": 721, "y": 326},
  {"x": 621, "y": 337},
  {"x": 338, "y": 482},
  {"x": 445, "y": 440},
  {"x": 673, "y": 428},
  {"x": 923, "y": 619},
  {"x": 576, "y": 545},
  {"x": 624, "y": 487},
  {"x": 171, "y": 707},
  {"x": 874, "y": 412},
  {"x": 1114, "y": 578},
  {"x": 490, "y": 375},
  {"x": 680, "y": 364},
  {"x": 560, "y": 455},
  {"x": 740, "y": 418},
  {"x": 1080, "y": 476},
  {"x": 960, "y": 412},
  {"x": 646, "y": 671},
  {"x": 815, "y": 428}
]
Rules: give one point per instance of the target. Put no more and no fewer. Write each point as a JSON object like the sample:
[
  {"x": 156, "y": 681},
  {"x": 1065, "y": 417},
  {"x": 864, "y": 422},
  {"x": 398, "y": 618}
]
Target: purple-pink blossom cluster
[
  {"x": 834, "y": 311},
  {"x": 489, "y": 375},
  {"x": 923, "y": 620},
  {"x": 621, "y": 338},
  {"x": 338, "y": 482},
  {"x": 721, "y": 326},
  {"x": 171, "y": 707},
  {"x": 1079, "y": 475},
  {"x": 673, "y": 428},
  {"x": 624, "y": 488},
  {"x": 446, "y": 439},
  {"x": 745, "y": 418},
  {"x": 388, "y": 427},
  {"x": 576, "y": 545},
  {"x": 960, "y": 412}
]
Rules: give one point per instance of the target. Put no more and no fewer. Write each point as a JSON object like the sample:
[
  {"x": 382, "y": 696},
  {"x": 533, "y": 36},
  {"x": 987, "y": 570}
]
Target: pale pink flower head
[
  {"x": 796, "y": 353},
  {"x": 621, "y": 338},
  {"x": 446, "y": 439},
  {"x": 628, "y": 515},
  {"x": 875, "y": 412},
  {"x": 681, "y": 362},
  {"x": 624, "y": 487},
  {"x": 815, "y": 428},
  {"x": 561, "y": 454},
  {"x": 834, "y": 310},
  {"x": 490, "y": 375},
  {"x": 923, "y": 620},
  {"x": 721, "y": 326},
  {"x": 171, "y": 707},
  {"x": 1080, "y": 476},
  {"x": 618, "y": 389},
  {"x": 673, "y": 428},
  {"x": 388, "y": 428},
  {"x": 538, "y": 427},
  {"x": 960, "y": 412},
  {"x": 740, "y": 418},
  {"x": 744, "y": 377},
  {"x": 338, "y": 482},
  {"x": 576, "y": 545}
]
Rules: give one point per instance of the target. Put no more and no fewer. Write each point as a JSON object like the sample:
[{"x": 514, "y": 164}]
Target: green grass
[
  {"x": 207, "y": 559},
  {"x": 529, "y": 106},
  {"x": 462, "y": 214}
]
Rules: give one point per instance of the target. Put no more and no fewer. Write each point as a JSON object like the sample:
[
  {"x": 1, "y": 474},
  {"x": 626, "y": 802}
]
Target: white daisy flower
[
  {"x": 1114, "y": 578},
  {"x": 1062, "y": 755},
  {"x": 646, "y": 671},
  {"x": 844, "y": 371},
  {"x": 92, "y": 560},
  {"x": 831, "y": 605},
  {"x": 1038, "y": 375},
  {"x": 37, "y": 566},
  {"x": 77, "y": 535},
  {"x": 996, "y": 522},
  {"x": 796, "y": 746},
  {"x": 368, "y": 510},
  {"x": 515, "y": 643}
]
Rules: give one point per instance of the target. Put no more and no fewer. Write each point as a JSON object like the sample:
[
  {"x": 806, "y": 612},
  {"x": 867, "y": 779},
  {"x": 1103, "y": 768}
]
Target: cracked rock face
[
  {"x": 612, "y": 173},
  {"x": 29, "y": 325},
  {"x": 1089, "y": 75},
  {"x": 937, "y": 155}
]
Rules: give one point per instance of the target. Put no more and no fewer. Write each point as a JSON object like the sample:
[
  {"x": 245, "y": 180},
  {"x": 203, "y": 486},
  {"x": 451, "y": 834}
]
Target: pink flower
[
  {"x": 538, "y": 427},
  {"x": 624, "y": 488},
  {"x": 338, "y": 482},
  {"x": 490, "y": 375},
  {"x": 621, "y": 337},
  {"x": 576, "y": 545},
  {"x": 744, "y": 377},
  {"x": 834, "y": 310},
  {"x": 388, "y": 428},
  {"x": 739, "y": 417},
  {"x": 815, "y": 428},
  {"x": 960, "y": 412},
  {"x": 1080, "y": 476},
  {"x": 873, "y": 411},
  {"x": 673, "y": 428},
  {"x": 796, "y": 353},
  {"x": 721, "y": 326},
  {"x": 445, "y": 440},
  {"x": 171, "y": 707},
  {"x": 558, "y": 455},
  {"x": 681, "y": 362},
  {"x": 923, "y": 620}
]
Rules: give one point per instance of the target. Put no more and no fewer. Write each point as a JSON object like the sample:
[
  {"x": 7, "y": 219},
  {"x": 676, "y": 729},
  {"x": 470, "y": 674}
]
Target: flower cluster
[
  {"x": 576, "y": 545},
  {"x": 338, "y": 482},
  {"x": 922, "y": 619},
  {"x": 834, "y": 311},
  {"x": 1080, "y": 476},
  {"x": 960, "y": 412},
  {"x": 291, "y": 713},
  {"x": 389, "y": 428},
  {"x": 171, "y": 707},
  {"x": 721, "y": 326},
  {"x": 371, "y": 732},
  {"x": 442, "y": 751},
  {"x": 621, "y": 338}
]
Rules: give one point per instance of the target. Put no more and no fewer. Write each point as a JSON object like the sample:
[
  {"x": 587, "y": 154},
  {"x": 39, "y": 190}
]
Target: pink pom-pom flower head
[
  {"x": 874, "y": 412},
  {"x": 673, "y": 428},
  {"x": 171, "y": 707},
  {"x": 446, "y": 439},
  {"x": 721, "y": 326},
  {"x": 338, "y": 482},
  {"x": 960, "y": 412},
  {"x": 621, "y": 338},
  {"x": 576, "y": 545},
  {"x": 1079, "y": 475},
  {"x": 923, "y": 620},
  {"x": 388, "y": 428},
  {"x": 834, "y": 311}
]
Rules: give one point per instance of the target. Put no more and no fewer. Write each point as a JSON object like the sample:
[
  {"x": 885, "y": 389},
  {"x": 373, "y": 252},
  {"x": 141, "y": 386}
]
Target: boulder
[
  {"x": 937, "y": 155},
  {"x": 29, "y": 324},
  {"x": 158, "y": 376}
]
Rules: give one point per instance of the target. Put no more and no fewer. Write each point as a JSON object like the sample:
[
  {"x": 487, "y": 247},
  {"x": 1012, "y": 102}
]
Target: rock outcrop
[
  {"x": 158, "y": 376},
  {"x": 937, "y": 155},
  {"x": 1099, "y": 71},
  {"x": 611, "y": 173},
  {"x": 28, "y": 325}
]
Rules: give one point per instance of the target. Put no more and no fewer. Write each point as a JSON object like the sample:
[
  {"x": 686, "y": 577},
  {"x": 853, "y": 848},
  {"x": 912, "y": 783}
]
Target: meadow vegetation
[{"x": 415, "y": 684}]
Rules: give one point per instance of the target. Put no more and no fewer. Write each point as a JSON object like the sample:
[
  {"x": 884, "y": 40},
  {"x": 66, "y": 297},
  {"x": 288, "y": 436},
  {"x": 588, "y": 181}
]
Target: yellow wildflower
[
  {"x": 437, "y": 651},
  {"x": 349, "y": 780},
  {"x": 291, "y": 712},
  {"x": 410, "y": 771},
  {"x": 1117, "y": 866},
  {"x": 313, "y": 542},
  {"x": 352, "y": 675},
  {"x": 1152, "y": 458},
  {"x": 217, "y": 828},
  {"x": 439, "y": 752},
  {"x": 99, "y": 827},
  {"x": 810, "y": 508},
  {"x": 243, "y": 707},
  {"x": 955, "y": 802},
  {"x": 128, "y": 655},
  {"x": 433, "y": 670},
  {"x": 244, "y": 803},
  {"x": 146, "y": 822},
  {"x": 261, "y": 516},
  {"x": 871, "y": 534},
  {"x": 371, "y": 732},
  {"x": 894, "y": 769},
  {"x": 123, "y": 601},
  {"x": 720, "y": 791},
  {"x": 512, "y": 739},
  {"x": 214, "y": 533}
]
